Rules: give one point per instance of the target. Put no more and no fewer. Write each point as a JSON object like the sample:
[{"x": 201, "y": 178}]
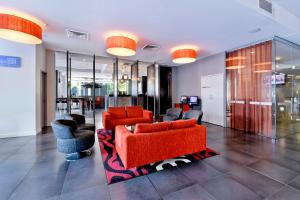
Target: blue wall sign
[{"x": 10, "y": 61}]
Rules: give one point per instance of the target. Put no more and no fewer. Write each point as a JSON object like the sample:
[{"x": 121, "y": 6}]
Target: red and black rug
[{"x": 115, "y": 171}]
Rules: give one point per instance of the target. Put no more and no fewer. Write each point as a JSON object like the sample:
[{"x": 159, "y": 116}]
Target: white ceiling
[
  {"x": 213, "y": 25},
  {"x": 291, "y": 5}
]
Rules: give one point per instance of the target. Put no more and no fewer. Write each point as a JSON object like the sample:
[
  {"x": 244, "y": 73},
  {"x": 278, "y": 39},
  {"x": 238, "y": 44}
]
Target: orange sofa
[
  {"x": 125, "y": 116},
  {"x": 155, "y": 142}
]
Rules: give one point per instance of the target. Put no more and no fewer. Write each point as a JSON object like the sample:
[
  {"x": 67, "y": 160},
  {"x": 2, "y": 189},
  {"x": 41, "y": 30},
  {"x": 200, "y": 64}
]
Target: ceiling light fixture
[
  {"x": 19, "y": 27},
  {"x": 121, "y": 45},
  {"x": 235, "y": 67},
  {"x": 184, "y": 54}
]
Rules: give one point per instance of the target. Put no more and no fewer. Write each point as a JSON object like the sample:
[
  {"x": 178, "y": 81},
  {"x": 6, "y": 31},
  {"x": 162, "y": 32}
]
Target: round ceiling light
[
  {"x": 121, "y": 46},
  {"x": 184, "y": 55},
  {"x": 19, "y": 27}
]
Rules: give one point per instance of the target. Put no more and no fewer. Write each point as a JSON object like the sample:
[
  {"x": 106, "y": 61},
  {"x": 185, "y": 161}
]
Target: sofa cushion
[
  {"x": 134, "y": 111},
  {"x": 134, "y": 120},
  {"x": 183, "y": 124},
  {"x": 149, "y": 128},
  {"x": 119, "y": 122},
  {"x": 117, "y": 112}
]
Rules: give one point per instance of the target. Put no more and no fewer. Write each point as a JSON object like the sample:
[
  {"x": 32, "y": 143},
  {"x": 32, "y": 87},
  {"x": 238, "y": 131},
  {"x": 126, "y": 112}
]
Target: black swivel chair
[
  {"x": 80, "y": 120},
  {"x": 71, "y": 141},
  {"x": 172, "y": 114},
  {"x": 193, "y": 114}
]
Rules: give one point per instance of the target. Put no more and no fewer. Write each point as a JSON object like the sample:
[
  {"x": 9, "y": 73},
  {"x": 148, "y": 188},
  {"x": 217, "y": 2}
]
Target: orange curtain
[{"x": 249, "y": 85}]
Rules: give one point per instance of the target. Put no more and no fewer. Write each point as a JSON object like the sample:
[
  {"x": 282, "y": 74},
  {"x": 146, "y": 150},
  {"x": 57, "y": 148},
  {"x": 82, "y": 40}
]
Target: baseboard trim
[{"x": 18, "y": 134}]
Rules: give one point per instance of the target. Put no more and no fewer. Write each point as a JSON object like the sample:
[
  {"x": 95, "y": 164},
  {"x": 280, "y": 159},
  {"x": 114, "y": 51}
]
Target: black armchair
[
  {"x": 71, "y": 141},
  {"x": 172, "y": 114},
  {"x": 80, "y": 120},
  {"x": 193, "y": 114}
]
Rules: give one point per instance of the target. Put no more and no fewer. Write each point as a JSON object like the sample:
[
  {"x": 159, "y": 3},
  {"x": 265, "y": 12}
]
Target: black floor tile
[
  {"x": 260, "y": 184},
  {"x": 32, "y": 168},
  {"x": 194, "y": 192},
  {"x": 286, "y": 193},
  {"x": 133, "y": 189},
  {"x": 168, "y": 181},
  {"x": 274, "y": 171},
  {"x": 295, "y": 183},
  {"x": 225, "y": 187},
  {"x": 239, "y": 157},
  {"x": 222, "y": 163},
  {"x": 93, "y": 193},
  {"x": 200, "y": 172}
]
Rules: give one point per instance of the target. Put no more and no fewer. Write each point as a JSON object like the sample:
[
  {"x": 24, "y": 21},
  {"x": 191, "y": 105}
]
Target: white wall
[
  {"x": 187, "y": 78},
  {"x": 18, "y": 91}
]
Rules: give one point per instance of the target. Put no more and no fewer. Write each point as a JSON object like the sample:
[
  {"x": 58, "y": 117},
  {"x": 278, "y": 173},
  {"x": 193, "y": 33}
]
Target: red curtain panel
[{"x": 249, "y": 85}]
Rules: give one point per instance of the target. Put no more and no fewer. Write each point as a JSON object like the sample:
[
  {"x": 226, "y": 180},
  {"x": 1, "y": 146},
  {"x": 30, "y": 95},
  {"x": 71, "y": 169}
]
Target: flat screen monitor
[
  {"x": 278, "y": 79},
  {"x": 183, "y": 99},
  {"x": 193, "y": 99}
]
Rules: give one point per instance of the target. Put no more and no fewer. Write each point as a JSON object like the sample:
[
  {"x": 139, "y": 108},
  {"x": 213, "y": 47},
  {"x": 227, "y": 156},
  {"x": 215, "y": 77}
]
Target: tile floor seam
[
  {"x": 274, "y": 179},
  {"x": 16, "y": 151},
  {"x": 160, "y": 195},
  {"x": 286, "y": 186},
  {"x": 20, "y": 182},
  {"x": 236, "y": 179},
  {"x": 60, "y": 192}
]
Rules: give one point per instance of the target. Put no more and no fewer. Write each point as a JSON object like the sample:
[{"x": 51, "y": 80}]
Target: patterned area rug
[{"x": 115, "y": 171}]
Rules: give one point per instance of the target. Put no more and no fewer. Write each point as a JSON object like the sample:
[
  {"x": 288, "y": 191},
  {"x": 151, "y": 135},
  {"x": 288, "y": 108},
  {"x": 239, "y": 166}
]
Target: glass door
[{"x": 287, "y": 83}]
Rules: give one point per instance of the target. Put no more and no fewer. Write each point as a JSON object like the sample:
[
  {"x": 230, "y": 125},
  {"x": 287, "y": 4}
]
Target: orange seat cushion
[
  {"x": 134, "y": 111},
  {"x": 117, "y": 112},
  {"x": 149, "y": 128},
  {"x": 179, "y": 124}
]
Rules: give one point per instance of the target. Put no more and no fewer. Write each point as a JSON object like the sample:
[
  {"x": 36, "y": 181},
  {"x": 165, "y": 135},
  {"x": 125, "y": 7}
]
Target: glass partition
[
  {"x": 61, "y": 84},
  {"x": 249, "y": 96},
  {"x": 124, "y": 83},
  {"x": 83, "y": 89},
  {"x": 142, "y": 84},
  {"x": 78, "y": 96},
  {"x": 263, "y": 88},
  {"x": 104, "y": 87},
  {"x": 287, "y": 66}
]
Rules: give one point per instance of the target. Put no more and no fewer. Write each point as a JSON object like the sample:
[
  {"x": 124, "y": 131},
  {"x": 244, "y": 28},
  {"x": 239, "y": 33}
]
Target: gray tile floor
[{"x": 248, "y": 168}]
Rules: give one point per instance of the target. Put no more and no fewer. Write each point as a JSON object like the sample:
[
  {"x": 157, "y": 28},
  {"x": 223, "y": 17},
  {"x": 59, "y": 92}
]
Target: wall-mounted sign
[{"x": 10, "y": 61}]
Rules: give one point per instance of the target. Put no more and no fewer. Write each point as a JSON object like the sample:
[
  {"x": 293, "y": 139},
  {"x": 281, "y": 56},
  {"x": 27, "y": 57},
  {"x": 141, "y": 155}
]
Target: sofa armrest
[
  {"x": 106, "y": 120},
  {"x": 203, "y": 131},
  {"x": 148, "y": 115},
  {"x": 121, "y": 134}
]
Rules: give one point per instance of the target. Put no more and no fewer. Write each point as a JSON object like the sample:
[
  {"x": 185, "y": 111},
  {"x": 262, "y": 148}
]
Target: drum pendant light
[
  {"x": 121, "y": 46},
  {"x": 19, "y": 28},
  {"x": 184, "y": 56}
]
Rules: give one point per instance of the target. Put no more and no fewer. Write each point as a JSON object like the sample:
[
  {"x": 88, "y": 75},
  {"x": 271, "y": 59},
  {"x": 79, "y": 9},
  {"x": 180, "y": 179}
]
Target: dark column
[{"x": 134, "y": 83}]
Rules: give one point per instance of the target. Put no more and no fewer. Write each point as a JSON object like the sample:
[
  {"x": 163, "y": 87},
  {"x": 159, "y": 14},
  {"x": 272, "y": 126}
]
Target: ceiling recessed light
[{"x": 256, "y": 30}]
